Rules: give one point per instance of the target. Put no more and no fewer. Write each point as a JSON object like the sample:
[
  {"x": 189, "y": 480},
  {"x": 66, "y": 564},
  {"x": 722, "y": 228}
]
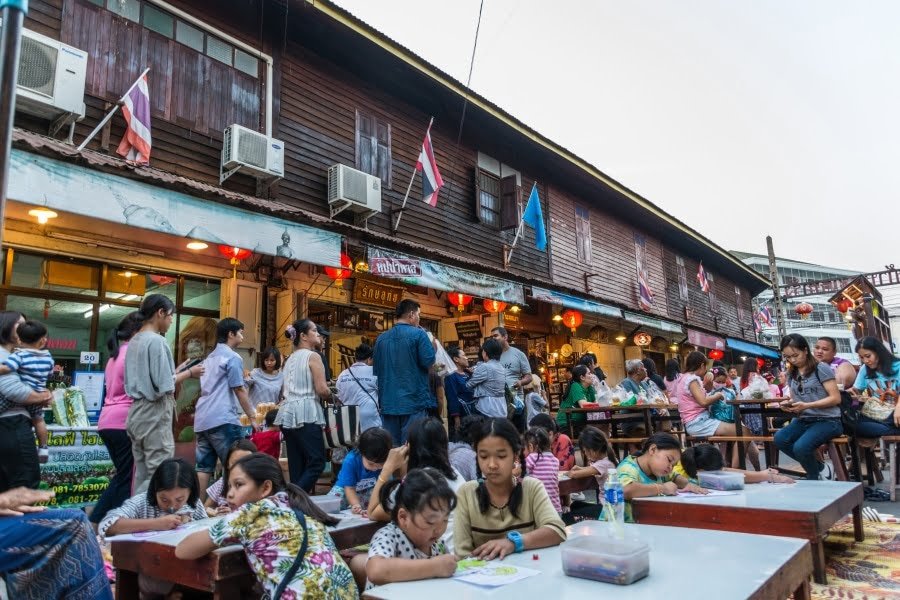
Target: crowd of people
[{"x": 483, "y": 483}]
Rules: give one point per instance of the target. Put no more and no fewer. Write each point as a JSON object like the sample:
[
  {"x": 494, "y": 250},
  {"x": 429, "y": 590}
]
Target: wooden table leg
[
  {"x": 126, "y": 585},
  {"x": 818, "y": 552},
  {"x": 648, "y": 422},
  {"x": 770, "y": 451},
  {"x": 859, "y": 533},
  {"x": 803, "y": 591},
  {"x": 739, "y": 431}
]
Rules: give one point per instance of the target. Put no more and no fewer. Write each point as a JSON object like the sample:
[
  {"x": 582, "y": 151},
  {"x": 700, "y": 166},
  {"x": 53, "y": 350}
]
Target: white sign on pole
[{"x": 90, "y": 358}]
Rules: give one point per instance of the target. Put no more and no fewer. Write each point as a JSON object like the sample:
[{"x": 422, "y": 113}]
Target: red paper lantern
[
  {"x": 459, "y": 300},
  {"x": 844, "y": 305},
  {"x": 572, "y": 319},
  {"x": 716, "y": 354},
  {"x": 760, "y": 363},
  {"x": 338, "y": 275},
  {"x": 494, "y": 306},
  {"x": 804, "y": 309},
  {"x": 234, "y": 253}
]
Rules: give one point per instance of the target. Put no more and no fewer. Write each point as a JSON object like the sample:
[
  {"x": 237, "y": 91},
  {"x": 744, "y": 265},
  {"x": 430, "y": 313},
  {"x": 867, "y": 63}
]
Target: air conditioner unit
[
  {"x": 51, "y": 79},
  {"x": 251, "y": 152},
  {"x": 354, "y": 190}
]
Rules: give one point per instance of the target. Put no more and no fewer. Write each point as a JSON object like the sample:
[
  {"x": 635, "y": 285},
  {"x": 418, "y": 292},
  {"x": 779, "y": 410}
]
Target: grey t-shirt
[
  {"x": 516, "y": 365},
  {"x": 811, "y": 388},
  {"x": 149, "y": 368}
]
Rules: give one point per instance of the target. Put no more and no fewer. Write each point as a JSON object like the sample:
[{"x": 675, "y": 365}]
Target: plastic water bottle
[{"x": 614, "y": 498}]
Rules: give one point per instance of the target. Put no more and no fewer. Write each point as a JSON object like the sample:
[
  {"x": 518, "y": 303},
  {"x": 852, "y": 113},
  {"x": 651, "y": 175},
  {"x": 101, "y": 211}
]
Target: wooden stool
[
  {"x": 837, "y": 457},
  {"x": 890, "y": 443}
]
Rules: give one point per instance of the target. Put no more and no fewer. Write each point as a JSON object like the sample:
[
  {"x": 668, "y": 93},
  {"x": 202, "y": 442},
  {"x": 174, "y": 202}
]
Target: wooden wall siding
[
  {"x": 612, "y": 244},
  {"x": 45, "y": 17},
  {"x": 317, "y": 123}
]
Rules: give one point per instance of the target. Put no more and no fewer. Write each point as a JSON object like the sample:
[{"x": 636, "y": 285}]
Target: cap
[{"x": 322, "y": 331}]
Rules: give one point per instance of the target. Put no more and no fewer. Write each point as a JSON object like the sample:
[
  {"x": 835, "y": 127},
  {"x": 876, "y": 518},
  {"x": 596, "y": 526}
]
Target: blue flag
[{"x": 535, "y": 219}]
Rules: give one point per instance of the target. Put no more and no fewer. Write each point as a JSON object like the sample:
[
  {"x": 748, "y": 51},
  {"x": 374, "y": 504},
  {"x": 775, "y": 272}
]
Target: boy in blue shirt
[{"x": 361, "y": 469}]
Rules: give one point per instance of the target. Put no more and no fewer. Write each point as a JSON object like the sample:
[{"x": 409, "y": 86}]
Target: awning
[
  {"x": 752, "y": 349},
  {"x": 705, "y": 340},
  {"x": 437, "y": 276},
  {"x": 71, "y": 188},
  {"x": 652, "y": 322},
  {"x": 575, "y": 302}
]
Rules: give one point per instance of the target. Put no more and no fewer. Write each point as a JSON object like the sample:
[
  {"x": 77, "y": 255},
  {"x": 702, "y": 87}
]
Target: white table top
[
  {"x": 707, "y": 564},
  {"x": 802, "y": 496}
]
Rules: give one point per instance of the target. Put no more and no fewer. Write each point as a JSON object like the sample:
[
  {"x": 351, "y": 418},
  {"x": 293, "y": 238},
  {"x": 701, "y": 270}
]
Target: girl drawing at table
[
  {"x": 707, "y": 457},
  {"x": 650, "y": 472},
  {"x": 541, "y": 464},
  {"x": 172, "y": 499},
  {"x": 410, "y": 547},
  {"x": 601, "y": 459},
  {"x": 275, "y": 522},
  {"x": 497, "y": 515},
  {"x": 216, "y": 504}
]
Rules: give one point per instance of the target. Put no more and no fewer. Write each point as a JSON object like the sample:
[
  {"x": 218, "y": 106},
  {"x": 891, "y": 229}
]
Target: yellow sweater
[{"x": 472, "y": 528}]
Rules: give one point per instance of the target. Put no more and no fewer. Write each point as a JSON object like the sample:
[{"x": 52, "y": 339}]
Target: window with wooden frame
[
  {"x": 197, "y": 79},
  {"x": 373, "y": 147},
  {"x": 682, "y": 278},
  {"x": 583, "y": 234},
  {"x": 713, "y": 300},
  {"x": 739, "y": 303},
  {"x": 497, "y": 200}
]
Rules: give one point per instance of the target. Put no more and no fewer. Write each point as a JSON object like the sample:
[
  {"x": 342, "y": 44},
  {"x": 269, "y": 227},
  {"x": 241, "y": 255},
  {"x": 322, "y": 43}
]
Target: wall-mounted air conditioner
[
  {"x": 51, "y": 80},
  {"x": 354, "y": 190},
  {"x": 251, "y": 152}
]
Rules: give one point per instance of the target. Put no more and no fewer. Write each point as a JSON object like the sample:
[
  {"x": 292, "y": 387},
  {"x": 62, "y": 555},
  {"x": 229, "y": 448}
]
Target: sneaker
[
  {"x": 577, "y": 496},
  {"x": 827, "y": 473}
]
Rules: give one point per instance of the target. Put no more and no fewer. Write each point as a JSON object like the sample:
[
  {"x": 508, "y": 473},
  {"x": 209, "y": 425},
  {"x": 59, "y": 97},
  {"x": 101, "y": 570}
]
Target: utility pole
[
  {"x": 13, "y": 14},
  {"x": 776, "y": 291}
]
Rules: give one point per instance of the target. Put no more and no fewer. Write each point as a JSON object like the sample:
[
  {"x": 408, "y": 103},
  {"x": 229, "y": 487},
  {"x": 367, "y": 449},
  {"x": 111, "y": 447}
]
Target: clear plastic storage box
[
  {"x": 721, "y": 480},
  {"x": 328, "y": 503},
  {"x": 606, "y": 559}
]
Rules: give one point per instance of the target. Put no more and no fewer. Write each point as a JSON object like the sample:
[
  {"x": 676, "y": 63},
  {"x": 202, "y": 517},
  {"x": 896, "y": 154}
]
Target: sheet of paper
[
  {"x": 168, "y": 538},
  {"x": 493, "y": 573},
  {"x": 711, "y": 494}
]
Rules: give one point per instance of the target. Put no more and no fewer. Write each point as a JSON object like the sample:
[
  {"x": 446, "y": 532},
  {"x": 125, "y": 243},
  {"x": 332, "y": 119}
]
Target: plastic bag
[
  {"x": 443, "y": 364},
  {"x": 603, "y": 393},
  {"x": 758, "y": 389},
  {"x": 68, "y": 407}
]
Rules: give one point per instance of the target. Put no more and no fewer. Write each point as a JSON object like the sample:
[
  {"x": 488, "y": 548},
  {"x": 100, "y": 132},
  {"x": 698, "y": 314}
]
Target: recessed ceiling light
[{"x": 197, "y": 245}]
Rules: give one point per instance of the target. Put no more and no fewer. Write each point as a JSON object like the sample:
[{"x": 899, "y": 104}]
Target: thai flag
[
  {"x": 757, "y": 327},
  {"x": 701, "y": 277},
  {"x": 431, "y": 177},
  {"x": 136, "y": 143},
  {"x": 645, "y": 294},
  {"x": 766, "y": 315}
]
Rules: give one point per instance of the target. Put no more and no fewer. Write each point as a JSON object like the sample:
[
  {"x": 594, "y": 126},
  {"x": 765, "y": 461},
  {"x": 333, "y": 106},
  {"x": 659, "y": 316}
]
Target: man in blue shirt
[
  {"x": 403, "y": 357},
  {"x": 216, "y": 421}
]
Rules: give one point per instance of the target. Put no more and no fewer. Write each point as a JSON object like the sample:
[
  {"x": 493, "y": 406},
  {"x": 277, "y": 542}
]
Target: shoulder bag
[{"x": 292, "y": 571}]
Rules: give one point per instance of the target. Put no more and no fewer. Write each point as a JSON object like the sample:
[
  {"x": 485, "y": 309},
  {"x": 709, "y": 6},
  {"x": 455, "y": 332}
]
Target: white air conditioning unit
[
  {"x": 51, "y": 79},
  {"x": 354, "y": 190},
  {"x": 251, "y": 152}
]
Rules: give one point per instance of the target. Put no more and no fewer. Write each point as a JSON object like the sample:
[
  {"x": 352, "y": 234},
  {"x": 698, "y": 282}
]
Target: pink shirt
[
  {"x": 602, "y": 466},
  {"x": 545, "y": 468},
  {"x": 672, "y": 386},
  {"x": 687, "y": 406},
  {"x": 117, "y": 402}
]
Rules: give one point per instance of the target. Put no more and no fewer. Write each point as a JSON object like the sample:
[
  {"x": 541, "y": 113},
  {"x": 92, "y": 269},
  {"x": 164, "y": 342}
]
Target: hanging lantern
[
  {"x": 162, "y": 280},
  {"x": 235, "y": 254},
  {"x": 642, "y": 338},
  {"x": 760, "y": 363},
  {"x": 459, "y": 300},
  {"x": 338, "y": 275},
  {"x": 716, "y": 354},
  {"x": 494, "y": 306},
  {"x": 572, "y": 319},
  {"x": 804, "y": 309},
  {"x": 844, "y": 305}
]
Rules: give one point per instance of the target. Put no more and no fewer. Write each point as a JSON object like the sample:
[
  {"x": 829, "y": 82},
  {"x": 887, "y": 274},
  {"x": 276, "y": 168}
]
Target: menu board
[{"x": 469, "y": 334}]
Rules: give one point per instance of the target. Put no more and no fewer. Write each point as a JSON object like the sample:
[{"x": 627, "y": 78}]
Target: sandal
[{"x": 873, "y": 494}]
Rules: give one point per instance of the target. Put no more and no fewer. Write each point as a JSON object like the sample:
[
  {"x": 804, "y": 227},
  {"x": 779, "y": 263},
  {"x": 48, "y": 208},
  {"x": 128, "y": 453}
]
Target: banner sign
[
  {"x": 79, "y": 468},
  {"x": 575, "y": 302},
  {"x": 416, "y": 271},
  {"x": 705, "y": 340},
  {"x": 652, "y": 322},
  {"x": 367, "y": 291}
]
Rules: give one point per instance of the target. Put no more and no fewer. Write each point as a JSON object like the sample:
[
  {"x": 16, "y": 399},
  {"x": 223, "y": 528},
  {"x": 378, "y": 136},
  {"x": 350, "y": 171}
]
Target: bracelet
[
  {"x": 382, "y": 480},
  {"x": 658, "y": 490}
]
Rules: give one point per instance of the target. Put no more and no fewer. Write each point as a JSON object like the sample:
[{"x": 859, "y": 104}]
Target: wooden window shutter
[
  {"x": 509, "y": 203},
  {"x": 365, "y": 157},
  {"x": 383, "y": 158},
  {"x": 477, "y": 205}
]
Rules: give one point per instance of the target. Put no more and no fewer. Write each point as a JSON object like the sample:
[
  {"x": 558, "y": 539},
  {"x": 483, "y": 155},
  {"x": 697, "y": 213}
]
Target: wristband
[{"x": 516, "y": 538}]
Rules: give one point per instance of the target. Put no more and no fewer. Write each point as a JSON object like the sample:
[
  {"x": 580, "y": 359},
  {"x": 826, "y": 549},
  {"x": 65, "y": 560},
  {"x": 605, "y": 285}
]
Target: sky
[{"x": 742, "y": 119}]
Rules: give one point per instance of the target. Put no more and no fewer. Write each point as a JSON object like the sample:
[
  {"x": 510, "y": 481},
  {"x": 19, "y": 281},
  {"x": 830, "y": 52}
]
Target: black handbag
[{"x": 297, "y": 561}]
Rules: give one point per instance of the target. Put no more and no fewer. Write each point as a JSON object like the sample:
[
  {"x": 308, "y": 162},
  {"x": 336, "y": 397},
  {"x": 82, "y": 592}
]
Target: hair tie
[{"x": 292, "y": 332}]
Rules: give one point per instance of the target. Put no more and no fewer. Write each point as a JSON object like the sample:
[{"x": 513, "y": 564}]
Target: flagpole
[
  {"x": 110, "y": 114},
  {"x": 409, "y": 187},
  {"x": 518, "y": 231}
]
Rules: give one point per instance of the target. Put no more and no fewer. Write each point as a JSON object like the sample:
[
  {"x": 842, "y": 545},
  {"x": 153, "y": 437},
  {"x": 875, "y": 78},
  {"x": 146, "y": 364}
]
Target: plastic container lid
[
  {"x": 721, "y": 480},
  {"x": 606, "y": 559}
]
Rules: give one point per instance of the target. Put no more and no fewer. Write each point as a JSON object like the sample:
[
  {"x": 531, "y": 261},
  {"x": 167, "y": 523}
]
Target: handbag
[
  {"x": 341, "y": 426},
  {"x": 292, "y": 571},
  {"x": 877, "y": 410}
]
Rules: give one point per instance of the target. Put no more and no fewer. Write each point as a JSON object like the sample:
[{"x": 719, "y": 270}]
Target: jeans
[
  {"x": 214, "y": 443},
  {"x": 119, "y": 446},
  {"x": 306, "y": 455},
  {"x": 801, "y": 437},
  {"x": 869, "y": 428},
  {"x": 398, "y": 425},
  {"x": 19, "y": 464}
]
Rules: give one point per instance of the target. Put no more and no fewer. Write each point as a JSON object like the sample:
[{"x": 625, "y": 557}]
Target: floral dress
[{"x": 271, "y": 536}]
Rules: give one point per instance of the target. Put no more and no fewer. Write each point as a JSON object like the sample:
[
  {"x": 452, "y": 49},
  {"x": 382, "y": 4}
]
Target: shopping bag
[{"x": 341, "y": 426}]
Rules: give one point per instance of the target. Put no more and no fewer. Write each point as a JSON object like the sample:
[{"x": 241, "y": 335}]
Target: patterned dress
[{"x": 271, "y": 536}]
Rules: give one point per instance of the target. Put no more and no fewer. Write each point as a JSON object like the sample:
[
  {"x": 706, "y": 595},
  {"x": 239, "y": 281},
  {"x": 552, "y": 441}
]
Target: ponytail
[
  {"x": 154, "y": 303},
  {"x": 420, "y": 488},
  {"x": 126, "y": 329}
]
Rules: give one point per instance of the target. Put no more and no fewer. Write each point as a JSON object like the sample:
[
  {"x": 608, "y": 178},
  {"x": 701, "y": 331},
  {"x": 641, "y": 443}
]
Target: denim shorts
[
  {"x": 214, "y": 443},
  {"x": 702, "y": 426}
]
